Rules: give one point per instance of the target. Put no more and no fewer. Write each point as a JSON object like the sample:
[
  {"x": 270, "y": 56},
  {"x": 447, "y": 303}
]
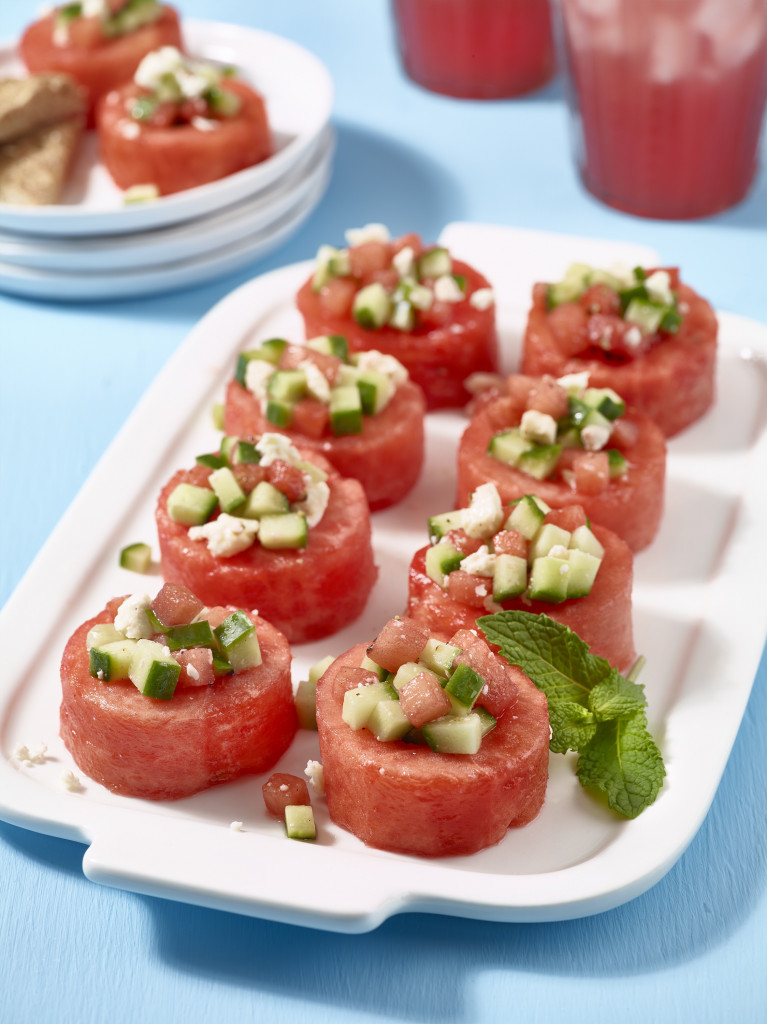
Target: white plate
[
  {"x": 189, "y": 239},
  {"x": 697, "y": 616},
  {"x": 163, "y": 277},
  {"x": 299, "y": 96}
]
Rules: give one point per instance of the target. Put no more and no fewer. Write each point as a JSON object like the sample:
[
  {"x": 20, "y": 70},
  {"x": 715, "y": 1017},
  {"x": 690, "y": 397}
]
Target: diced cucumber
[
  {"x": 217, "y": 415},
  {"x": 605, "y": 401},
  {"x": 671, "y": 322},
  {"x": 244, "y": 452},
  {"x": 548, "y": 579},
  {"x": 286, "y": 530},
  {"x": 547, "y": 537},
  {"x": 193, "y": 634},
  {"x": 509, "y": 446},
  {"x": 212, "y": 460},
  {"x": 371, "y": 666},
  {"x": 441, "y": 560},
  {"x": 402, "y": 316},
  {"x": 229, "y": 493},
  {"x": 345, "y": 410},
  {"x": 372, "y": 306},
  {"x": 331, "y": 262},
  {"x": 443, "y": 523},
  {"x": 113, "y": 660},
  {"x": 454, "y": 734},
  {"x": 238, "y": 640},
  {"x": 265, "y": 499},
  {"x": 306, "y": 706},
  {"x": 488, "y": 722},
  {"x": 286, "y": 386},
  {"x": 227, "y": 446},
  {"x": 299, "y": 822},
  {"x": 312, "y": 470},
  {"x": 320, "y": 667},
  {"x": 618, "y": 463},
  {"x": 408, "y": 670},
  {"x": 509, "y": 577},
  {"x": 359, "y": 703},
  {"x": 576, "y": 280},
  {"x": 241, "y": 367},
  {"x": 594, "y": 418},
  {"x": 223, "y": 101},
  {"x": 526, "y": 516},
  {"x": 136, "y": 557},
  {"x": 584, "y": 539},
  {"x": 583, "y": 571},
  {"x": 540, "y": 462},
  {"x": 434, "y": 263},
  {"x": 646, "y": 314},
  {"x": 191, "y": 505},
  {"x": 388, "y": 721},
  {"x": 279, "y": 413},
  {"x": 153, "y": 672},
  {"x": 103, "y": 633},
  {"x": 375, "y": 390},
  {"x": 330, "y": 345},
  {"x": 438, "y": 656},
  {"x": 465, "y": 684}
]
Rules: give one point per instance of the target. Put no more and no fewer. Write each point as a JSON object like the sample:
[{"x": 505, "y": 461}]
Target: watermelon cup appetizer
[
  {"x": 569, "y": 443},
  {"x": 262, "y": 524},
  {"x": 642, "y": 333},
  {"x": 180, "y": 123},
  {"x": 163, "y": 698},
  {"x": 362, "y": 413},
  {"x": 488, "y": 557},
  {"x": 428, "y": 747},
  {"x": 100, "y": 43},
  {"x": 433, "y": 313}
]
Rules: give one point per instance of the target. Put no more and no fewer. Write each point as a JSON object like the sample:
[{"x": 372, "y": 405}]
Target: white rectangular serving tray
[{"x": 699, "y": 621}]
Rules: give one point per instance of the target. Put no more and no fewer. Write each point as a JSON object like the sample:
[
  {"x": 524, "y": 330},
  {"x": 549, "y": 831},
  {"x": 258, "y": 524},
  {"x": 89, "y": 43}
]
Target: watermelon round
[
  {"x": 164, "y": 750},
  {"x": 386, "y": 457},
  {"x": 672, "y": 383},
  {"x": 602, "y": 618},
  {"x": 307, "y": 593},
  {"x": 631, "y": 505},
  {"x": 406, "y": 798}
]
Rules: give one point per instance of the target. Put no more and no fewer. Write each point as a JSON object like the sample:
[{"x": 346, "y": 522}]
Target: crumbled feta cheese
[
  {"x": 559, "y": 551},
  {"x": 29, "y": 757},
  {"x": 633, "y": 337},
  {"x": 420, "y": 297},
  {"x": 316, "y": 776},
  {"x": 564, "y": 569},
  {"x": 128, "y": 128},
  {"x": 192, "y": 672},
  {"x": 370, "y": 233},
  {"x": 447, "y": 289},
  {"x": 94, "y": 9},
  {"x": 484, "y": 515},
  {"x": 204, "y": 124},
  {"x": 316, "y": 382},
  {"x": 624, "y": 274},
  {"x": 70, "y": 781},
  {"x": 382, "y": 363},
  {"x": 538, "y": 426},
  {"x": 227, "y": 535},
  {"x": 257, "y": 374},
  {"x": 283, "y": 788},
  {"x": 658, "y": 286},
  {"x": 60, "y": 35},
  {"x": 167, "y": 60},
  {"x": 315, "y": 502},
  {"x": 272, "y": 447},
  {"x": 480, "y": 562},
  {"x": 191, "y": 84},
  {"x": 595, "y": 436},
  {"x": 131, "y": 618},
  {"x": 482, "y": 298},
  {"x": 574, "y": 383},
  {"x": 404, "y": 261},
  {"x": 236, "y": 826}
]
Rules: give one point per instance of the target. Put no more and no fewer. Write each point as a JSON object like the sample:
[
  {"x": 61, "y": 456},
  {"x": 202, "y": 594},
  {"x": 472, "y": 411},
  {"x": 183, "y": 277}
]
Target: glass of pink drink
[
  {"x": 476, "y": 49},
  {"x": 668, "y": 99}
]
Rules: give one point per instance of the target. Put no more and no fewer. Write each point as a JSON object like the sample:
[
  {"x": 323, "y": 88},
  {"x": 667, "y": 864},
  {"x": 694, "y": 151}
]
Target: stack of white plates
[{"x": 93, "y": 246}]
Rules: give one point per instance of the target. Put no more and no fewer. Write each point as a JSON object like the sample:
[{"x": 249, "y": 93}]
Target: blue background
[{"x": 694, "y": 947}]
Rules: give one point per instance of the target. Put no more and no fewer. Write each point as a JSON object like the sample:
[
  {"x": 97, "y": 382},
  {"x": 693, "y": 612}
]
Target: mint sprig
[{"x": 593, "y": 709}]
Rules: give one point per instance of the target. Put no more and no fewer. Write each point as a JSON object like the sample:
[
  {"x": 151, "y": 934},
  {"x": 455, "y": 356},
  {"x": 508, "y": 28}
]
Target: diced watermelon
[
  {"x": 501, "y": 683},
  {"x": 282, "y": 790},
  {"x": 423, "y": 699},
  {"x": 568, "y": 518},
  {"x": 511, "y": 542},
  {"x": 400, "y": 640},
  {"x": 592, "y": 473},
  {"x": 196, "y": 667},
  {"x": 470, "y": 590},
  {"x": 548, "y": 397},
  {"x": 286, "y": 478},
  {"x": 175, "y": 605}
]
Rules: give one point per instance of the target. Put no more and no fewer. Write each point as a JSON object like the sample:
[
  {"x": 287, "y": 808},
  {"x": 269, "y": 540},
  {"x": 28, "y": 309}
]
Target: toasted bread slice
[
  {"x": 27, "y": 104},
  {"x": 33, "y": 169}
]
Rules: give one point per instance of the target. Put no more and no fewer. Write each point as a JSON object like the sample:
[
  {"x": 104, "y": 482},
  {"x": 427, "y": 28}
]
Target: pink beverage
[
  {"x": 668, "y": 98},
  {"x": 476, "y": 49}
]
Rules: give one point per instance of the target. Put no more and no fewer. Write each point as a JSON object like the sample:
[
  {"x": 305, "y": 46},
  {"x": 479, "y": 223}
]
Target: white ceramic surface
[
  {"x": 699, "y": 619},
  {"x": 185, "y": 240},
  {"x": 299, "y": 96}
]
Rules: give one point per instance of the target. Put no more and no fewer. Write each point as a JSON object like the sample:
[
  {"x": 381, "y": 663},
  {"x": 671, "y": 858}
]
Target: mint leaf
[
  {"x": 616, "y": 697},
  {"x": 623, "y": 761},
  {"x": 593, "y": 709},
  {"x": 572, "y": 726}
]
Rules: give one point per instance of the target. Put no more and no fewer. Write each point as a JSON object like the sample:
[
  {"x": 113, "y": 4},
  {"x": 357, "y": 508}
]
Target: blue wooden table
[{"x": 694, "y": 947}]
